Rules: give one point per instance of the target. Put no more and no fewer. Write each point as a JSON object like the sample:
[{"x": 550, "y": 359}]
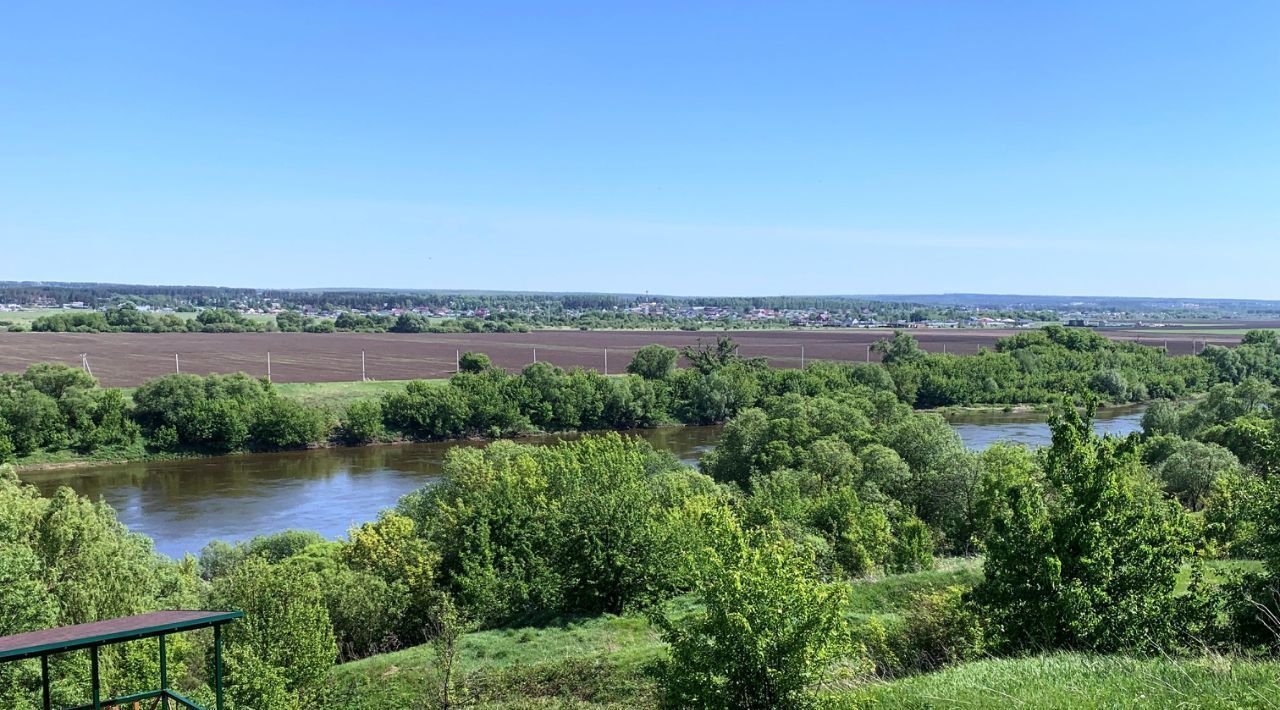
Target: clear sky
[{"x": 1118, "y": 148}]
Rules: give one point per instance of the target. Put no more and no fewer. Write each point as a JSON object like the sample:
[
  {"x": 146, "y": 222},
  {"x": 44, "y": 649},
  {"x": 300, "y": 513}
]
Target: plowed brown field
[{"x": 128, "y": 359}]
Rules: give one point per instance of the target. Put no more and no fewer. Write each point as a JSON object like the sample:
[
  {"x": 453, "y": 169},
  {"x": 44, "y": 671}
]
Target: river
[{"x": 184, "y": 504}]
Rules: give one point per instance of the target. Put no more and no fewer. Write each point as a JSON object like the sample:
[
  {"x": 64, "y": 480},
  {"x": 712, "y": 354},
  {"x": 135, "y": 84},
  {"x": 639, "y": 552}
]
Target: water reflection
[
  {"x": 184, "y": 504},
  {"x": 980, "y": 430}
]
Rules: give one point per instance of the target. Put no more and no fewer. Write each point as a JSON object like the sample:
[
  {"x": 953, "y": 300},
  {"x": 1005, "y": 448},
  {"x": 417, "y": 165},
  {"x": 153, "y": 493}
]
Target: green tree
[
  {"x": 291, "y": 321},
  {"x": 768, "y": 632},
  {"x": 653, "y": 362},
  {"x": 362, "y": 422},
  {"x": 1190, "y": 471},
  {"x": 1086, "y": 557},
  {"x": 281, "y": 651},
  {"x": 474, "y": 363},
  {"x": 900, "y": 350},
  {"x": 709, "y": 357},
  {"x": 410, "y": 323}
]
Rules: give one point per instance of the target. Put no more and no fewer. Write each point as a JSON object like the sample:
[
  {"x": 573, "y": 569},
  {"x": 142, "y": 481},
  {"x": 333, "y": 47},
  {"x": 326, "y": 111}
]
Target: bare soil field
[{"x": 128, "y": 359}]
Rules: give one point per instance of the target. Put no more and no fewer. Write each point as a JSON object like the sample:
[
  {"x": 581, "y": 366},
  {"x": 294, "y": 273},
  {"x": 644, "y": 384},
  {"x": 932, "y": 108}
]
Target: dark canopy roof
[{"x": 125, "y": 628}]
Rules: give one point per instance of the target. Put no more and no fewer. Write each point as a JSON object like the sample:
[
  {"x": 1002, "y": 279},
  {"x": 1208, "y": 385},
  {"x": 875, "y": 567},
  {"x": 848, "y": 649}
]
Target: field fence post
[
  {"x": 268, "y": 366},
  {"x": 177, "y": 366},
  {"x": 606, "y": 361}
]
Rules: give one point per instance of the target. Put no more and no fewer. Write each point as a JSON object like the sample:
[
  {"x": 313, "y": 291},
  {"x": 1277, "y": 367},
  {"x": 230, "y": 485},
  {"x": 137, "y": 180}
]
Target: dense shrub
[
  {"x": 362, "y": 422},
  {"x": 1086, "y": 555},
  {"x": 768, "y": 630},
  {"x": 586, "y": 526},
  {"x": 653, "y": 362}
]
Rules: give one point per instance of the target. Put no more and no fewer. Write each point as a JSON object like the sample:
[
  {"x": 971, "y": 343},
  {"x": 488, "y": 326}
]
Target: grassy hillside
[
  {"x": 592, "y": 662},
  {"x": 607, "y": 661},
  {"x": 1080, "y": 681}
]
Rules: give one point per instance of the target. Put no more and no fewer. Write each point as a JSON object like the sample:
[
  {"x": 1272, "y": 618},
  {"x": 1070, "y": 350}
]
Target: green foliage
[
  {"x": 280, "y": 423},
  {"x": 585, "y": 526},
  {"x": 1191, "y": 470},
  {"x": 65, "y": 560},
  {"x": 280, "y": 652},
  {"x": 220, "y": 559},
  {"x": 410, "y": 323},
  {"x": 223, "y": 413},
  {"x": 291, "y": 321},
  {"x": 391, "y": 550},
  {"x": 362, "y": 422},
  {"x": 944, "y": 628},
  {"x": 653, "y": 362},
  {"x": 768, "y": 631},
  {"x": 709, "y": 357},
  {"x": 427, "y": 411},
  {"x": 1085, "y": 556},
  {"x": 52, "y": 406},
  {"x": 901, "y": 349},
  {"x": 1234, "y": 509},
  {"x": 474, "y": 362},
  {"x": 1036, "y": 366},
  {"x": 127, "y": 318},
  {"x": 912, "y": 548}
]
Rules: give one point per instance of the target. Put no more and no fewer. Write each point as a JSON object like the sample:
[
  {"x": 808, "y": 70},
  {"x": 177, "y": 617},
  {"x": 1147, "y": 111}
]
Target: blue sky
[{"x": 1110, "y": 148}]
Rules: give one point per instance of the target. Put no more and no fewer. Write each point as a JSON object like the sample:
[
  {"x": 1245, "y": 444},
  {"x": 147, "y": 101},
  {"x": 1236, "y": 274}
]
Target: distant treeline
[
  {"x": 128, "y": 319},
  {"x": 550, "y": 307},
  {"x": 1038, "y": 365}
]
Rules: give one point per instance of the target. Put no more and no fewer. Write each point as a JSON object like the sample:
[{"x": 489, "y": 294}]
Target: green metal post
[
  {"x": 44, "y": 681},
  {"x": 93, "y": 678},
  {"x": 164, "y": 674},
  {"x": 217, "y": 665}
]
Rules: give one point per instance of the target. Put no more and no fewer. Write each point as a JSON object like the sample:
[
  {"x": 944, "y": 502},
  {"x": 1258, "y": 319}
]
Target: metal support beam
[
  {"x": 164, "y": 673},
  {"x": 44, "y": 681},
  {"x": 217, "y": 667},
  {"x": 94, "y": 681}
]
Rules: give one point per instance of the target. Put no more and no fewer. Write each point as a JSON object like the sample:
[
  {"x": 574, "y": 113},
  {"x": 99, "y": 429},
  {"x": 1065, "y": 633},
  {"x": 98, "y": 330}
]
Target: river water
[{"x": 182, "y": 505}]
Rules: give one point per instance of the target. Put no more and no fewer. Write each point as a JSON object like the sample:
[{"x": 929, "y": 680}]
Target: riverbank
[{"x": 347, "y": 391}]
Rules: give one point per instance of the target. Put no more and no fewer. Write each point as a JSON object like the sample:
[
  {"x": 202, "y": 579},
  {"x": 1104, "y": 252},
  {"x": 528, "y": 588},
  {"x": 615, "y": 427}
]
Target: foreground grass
[
  {"x": 607, "y": 662},
  {"x": 893, "y": 594},
  {"x": 1081, "y": 681},
  {"x": 599, "y": 662}
]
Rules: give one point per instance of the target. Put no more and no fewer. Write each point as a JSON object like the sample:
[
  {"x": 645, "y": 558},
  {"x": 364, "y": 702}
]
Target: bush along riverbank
[{"x": 56, "y": 415}]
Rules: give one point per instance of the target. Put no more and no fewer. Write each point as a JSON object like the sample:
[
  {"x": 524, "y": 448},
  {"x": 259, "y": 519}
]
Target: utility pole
[
  {"x": 177, "y": 366},
  {"x": 268, "y": 366},
  {"x": 363, "y": 376},
  {"x": 457, "y": 361},
  {"x": 535, "y": 354},
  {"x": 606, "y": 361},
  {"x": 84, "y": 362},
  {"x": 868, "y": 353},
  {"x": 801, "y": 357}
]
